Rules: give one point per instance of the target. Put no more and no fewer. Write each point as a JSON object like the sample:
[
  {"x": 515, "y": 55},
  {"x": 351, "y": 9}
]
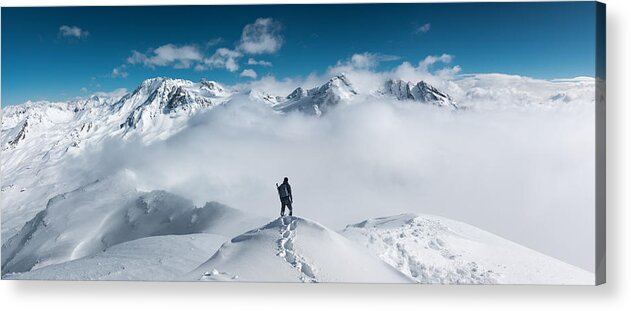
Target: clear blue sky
[{"x": 40, "y": 60}]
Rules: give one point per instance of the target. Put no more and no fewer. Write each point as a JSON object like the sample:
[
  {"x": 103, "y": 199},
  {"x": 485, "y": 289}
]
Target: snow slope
[
  {"x": 108, "y": 212},
  {"x": 294, "y": 249},
  {"x": 432, "y": 249},
  {"x": 155, "y": 258}
]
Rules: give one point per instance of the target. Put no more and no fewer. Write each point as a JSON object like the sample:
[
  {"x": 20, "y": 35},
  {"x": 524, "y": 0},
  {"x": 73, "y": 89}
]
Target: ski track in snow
[{"x": 287, "y": 251}]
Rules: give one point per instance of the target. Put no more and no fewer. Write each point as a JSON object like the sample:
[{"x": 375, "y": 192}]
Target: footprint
[
  {"x": 289, "y": 245},
  {"x": 434, "y": 245},
  {"x": 306, "y": 269}
]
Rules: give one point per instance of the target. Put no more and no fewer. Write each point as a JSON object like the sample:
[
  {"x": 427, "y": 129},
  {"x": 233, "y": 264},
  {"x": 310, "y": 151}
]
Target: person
[{"x": 284, "y": 192}]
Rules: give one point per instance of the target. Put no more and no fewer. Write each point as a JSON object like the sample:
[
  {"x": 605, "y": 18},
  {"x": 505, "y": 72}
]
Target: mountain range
[{"x": 58, "y": 224}]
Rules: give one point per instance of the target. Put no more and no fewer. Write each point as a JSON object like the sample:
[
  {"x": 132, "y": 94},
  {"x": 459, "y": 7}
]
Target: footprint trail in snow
[{"x": 287, "y": 251}]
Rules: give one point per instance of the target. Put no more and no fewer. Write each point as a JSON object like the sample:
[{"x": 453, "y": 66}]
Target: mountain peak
[
  {"x": 422, "y": 92},
  {"x": 319, "y": 100}
]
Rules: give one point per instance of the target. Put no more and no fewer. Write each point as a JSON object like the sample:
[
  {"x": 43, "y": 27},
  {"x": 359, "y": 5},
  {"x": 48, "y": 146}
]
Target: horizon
[{"x": 102, "y": 49}]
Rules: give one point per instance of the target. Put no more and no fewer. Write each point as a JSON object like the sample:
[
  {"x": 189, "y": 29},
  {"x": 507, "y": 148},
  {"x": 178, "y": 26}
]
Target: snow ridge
[
  {"x": 435, "y": 250},
  {"x": 421, "y": 92},
  {"x": 400, "y": 245},
  {"x": 319, "y": 100}
]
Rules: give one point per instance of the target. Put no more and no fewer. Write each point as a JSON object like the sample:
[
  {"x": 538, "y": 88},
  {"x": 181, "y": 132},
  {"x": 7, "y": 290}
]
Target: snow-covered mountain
[
  {"x": 319, "y": 100},
  {"x": 420, "y": 92},
  {"x": 158, "y": 100},
  {"x": 59, "y": 223}
]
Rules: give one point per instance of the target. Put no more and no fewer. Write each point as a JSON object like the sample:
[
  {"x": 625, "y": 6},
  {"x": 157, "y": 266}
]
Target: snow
[
  {"x": 316, "y": 101},
  {"x": 295, "y": 249},
  {"x": 59, "y": 223},
  {"x": 420, "y": 92},
  {"x": 104, "y": 213},
  {"x": 432, "y": 250},
  {"x": 156, "y": 258}
]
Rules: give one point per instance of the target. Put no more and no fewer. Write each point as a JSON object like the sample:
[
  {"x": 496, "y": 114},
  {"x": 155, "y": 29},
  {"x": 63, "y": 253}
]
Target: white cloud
[
  {"x": 363, "y": 61},
  {"x": 115, "y": 94},
  {"x": 223, "y": 58},
  {"x": 261, "y": 37},
  {"x": 429, "y": 70},
  {"x": 120, "y": 71},
  {"x": 84, "y": 90},
  {"x": 270, "y": 85},
  {"x": 213, "y": 42},
  {"x": 248, "y": 73},
  {"x": 167, "y": 55},
  {"x": 263, "y": 63},
  {"x": 431, "y": 59},
  {"x": 72, "y": 32},
  {"x": 424, "y": 28}
]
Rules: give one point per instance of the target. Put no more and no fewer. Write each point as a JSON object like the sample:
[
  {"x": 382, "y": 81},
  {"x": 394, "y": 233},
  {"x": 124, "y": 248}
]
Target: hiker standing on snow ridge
[{"x": 284, "y": 192}]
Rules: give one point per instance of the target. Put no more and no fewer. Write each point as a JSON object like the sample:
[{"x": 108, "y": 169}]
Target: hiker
[{"x": 284, "y": 192}]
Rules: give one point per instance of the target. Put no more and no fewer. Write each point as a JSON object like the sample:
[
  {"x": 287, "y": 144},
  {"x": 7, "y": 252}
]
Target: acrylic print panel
[{"x": 450, "y": 143}]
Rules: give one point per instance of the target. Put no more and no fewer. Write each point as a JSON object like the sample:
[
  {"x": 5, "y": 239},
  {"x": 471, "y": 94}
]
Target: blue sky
[{"x": 57, "y": 53}]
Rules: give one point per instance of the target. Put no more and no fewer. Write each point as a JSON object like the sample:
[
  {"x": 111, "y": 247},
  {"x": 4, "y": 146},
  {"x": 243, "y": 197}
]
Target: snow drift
[
  {"x": 433, "y": 249},
  {"x": 155, "y": 258},
  {"x": 294, "y": 249},
  {"x": 104, "y": 213}
]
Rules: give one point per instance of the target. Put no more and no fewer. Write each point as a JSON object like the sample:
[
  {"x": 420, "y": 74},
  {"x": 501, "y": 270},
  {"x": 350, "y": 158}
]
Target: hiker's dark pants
[{"x": 285, "y": 202}]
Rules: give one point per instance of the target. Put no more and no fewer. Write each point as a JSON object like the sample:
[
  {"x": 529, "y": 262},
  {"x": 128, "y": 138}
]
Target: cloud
[
  {"x": 120, "y": 71},
  {"x": 263, "y": 63},
  {"x": 222, "y": 58},
  {"x": 72, "y": 32},
  {"x": 248, "y": 73},
  {"x": 213, "y": 42},
  {"x": 115, "y": 94},
  {"x": 367, "y": 60},
  {"x": 167, "y": 55},
  {"x": 84, "y": 90},
  {"x": 424, "y": 28},
  {"x": 431, "y": 59},
  {"x": 261, "y": 37},
  {"x": 506, "y": 171}
]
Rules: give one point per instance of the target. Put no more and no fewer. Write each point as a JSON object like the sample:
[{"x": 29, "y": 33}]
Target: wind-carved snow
[
  {"x": 108, "y": 212},
  {"x": 432, "y": 250},
  {"x": 155, "y": 258},
  {"x": 276, "y": 253}
]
